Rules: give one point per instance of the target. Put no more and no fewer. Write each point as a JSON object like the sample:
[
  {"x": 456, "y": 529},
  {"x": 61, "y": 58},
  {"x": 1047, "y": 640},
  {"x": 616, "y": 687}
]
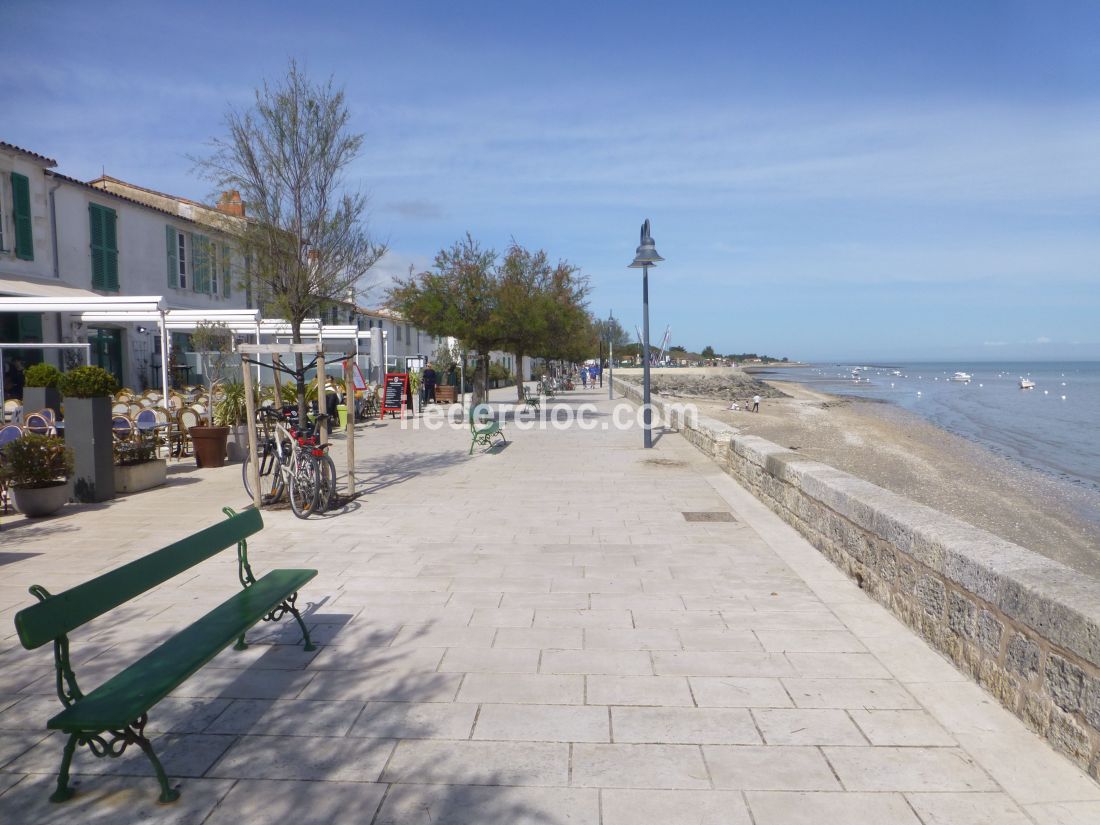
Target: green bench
[
  {"x": 113, "y": 716},
  {"x": 482, "y": 428},
  {"x": 531, "y": 400}
]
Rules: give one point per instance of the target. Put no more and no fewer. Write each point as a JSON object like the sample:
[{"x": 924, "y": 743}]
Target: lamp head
[{"x": 646, "y": 254}]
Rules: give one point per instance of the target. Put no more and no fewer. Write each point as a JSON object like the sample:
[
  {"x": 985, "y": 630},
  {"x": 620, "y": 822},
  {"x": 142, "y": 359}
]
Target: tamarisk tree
[{"x": 305, "y": 239}]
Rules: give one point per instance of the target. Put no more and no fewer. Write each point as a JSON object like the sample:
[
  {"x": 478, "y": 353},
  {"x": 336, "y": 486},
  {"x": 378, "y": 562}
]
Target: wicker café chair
[
  {"x": 186, "y": 419},
  {"x": 8, "y": 433},
  {"x": 38, "y": 424},
  {"x": 122, "y": 427}
]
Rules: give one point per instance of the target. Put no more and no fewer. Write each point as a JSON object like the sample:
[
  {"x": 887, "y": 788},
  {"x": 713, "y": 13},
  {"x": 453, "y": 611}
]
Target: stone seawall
[{"x": 1024, "y": 627}]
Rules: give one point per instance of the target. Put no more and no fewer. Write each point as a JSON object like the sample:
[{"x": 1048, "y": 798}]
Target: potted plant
[
  {"x": 213, "y": 343},
  {"x": 232, "y": 412},
  {"x": 87, "y": 392},
  {"x": 137, "y": 466},
  {"x": 40, "y": 389},
  {"x": 37, "y": 468}
]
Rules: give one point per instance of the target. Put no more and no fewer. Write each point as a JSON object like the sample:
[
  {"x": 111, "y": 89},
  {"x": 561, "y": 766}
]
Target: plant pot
[
  {"x": 88, "y": 432},
  {"x": 34, "y": 502},
  {"x": 133, "y": 478},
  {"x": 41, "y": 398},
  {"x": 342, "y": 414},
  {"x": 236, "y": 447},
  {"x": 209, "y": 445}
]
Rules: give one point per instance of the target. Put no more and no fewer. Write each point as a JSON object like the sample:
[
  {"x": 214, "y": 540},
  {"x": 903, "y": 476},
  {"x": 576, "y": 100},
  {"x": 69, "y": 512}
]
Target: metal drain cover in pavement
[{"x": 716, "y": 515}]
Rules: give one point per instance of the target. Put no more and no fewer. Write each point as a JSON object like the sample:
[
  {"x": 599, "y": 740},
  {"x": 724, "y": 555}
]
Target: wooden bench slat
[
  {"x": 125, "y": 697},
  {"x": 44, "y": 622}
]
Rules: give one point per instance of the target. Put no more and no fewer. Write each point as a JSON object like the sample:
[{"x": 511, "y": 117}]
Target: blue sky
[{"x": 826, "y": 180}]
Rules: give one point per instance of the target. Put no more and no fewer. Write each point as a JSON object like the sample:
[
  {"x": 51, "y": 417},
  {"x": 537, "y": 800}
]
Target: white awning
[
  {"x": 33, "y": 288},
  {"x": 82, "y": 301}
]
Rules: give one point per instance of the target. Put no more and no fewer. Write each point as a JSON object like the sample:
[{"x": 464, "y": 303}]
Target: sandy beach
[{"x": 901, "y": 452}]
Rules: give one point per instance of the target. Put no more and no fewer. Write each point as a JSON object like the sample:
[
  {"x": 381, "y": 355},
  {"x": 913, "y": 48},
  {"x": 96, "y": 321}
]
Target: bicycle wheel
[
  {"x": 271, "y": 476},
  {"x": 326, "y": 495},
  {"x": 304, "y": 485}
]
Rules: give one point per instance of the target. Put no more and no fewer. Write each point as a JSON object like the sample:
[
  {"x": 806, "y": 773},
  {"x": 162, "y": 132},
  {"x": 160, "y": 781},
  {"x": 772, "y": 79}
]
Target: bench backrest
[{"x": 63, "y": 612}]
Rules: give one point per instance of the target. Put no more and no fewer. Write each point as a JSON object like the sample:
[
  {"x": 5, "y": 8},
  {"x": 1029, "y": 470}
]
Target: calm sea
[{"x": 1054, "y": 427}]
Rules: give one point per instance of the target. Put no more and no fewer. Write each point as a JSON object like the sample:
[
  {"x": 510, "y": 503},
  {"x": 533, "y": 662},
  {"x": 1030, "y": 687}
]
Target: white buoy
[
  {"x": 918, "y": 392},
  {"x": 1063, "y": 398},
  {"x": 1046, "y": 392},
  {"x": 981, "y": 385}
]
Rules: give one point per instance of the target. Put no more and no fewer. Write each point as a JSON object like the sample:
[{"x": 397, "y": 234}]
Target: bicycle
[{"x": 287, "y": 466}]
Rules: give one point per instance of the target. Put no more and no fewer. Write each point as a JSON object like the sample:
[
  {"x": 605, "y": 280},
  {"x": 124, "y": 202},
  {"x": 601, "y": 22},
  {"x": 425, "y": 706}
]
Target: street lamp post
[
  {"x": 610, "y": 356},
  {"x": 645, "y": 257}
]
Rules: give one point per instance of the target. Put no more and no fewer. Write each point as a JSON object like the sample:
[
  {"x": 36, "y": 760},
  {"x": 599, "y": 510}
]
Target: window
[
  {"x": 104, "y": 247},
  {"x": 212, "y": 286},
  {"x": 200, "y": 263},
  {"x": 181, "y": 246},
  {"x": 21, "y": 217},
  {"x": 2, "y": 213}
]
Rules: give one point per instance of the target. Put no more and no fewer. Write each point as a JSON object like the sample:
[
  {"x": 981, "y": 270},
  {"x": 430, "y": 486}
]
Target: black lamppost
[
  {"x": 645, "y": 257},
  {"x": 610, "y": 356}
]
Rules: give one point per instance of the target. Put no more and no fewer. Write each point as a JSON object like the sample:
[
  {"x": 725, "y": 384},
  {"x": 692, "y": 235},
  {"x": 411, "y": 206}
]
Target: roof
[
  {"x": 381, "y": 312},
  {"x": 11, "y": 147},
  {"x": 109, "y": 193},
  {"x": 110, "y": 179},
  {"x": 103, "y": 181}
]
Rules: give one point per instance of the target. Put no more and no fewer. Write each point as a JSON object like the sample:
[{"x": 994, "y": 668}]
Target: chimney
[{"x": 230, "y": 203}]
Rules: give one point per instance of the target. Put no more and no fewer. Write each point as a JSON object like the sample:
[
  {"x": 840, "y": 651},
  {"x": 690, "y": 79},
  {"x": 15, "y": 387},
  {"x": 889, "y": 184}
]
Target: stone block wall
[{"x": 1024, "y": 627}]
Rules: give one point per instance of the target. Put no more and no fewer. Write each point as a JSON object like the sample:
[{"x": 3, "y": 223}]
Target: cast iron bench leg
[
  {"x": 64, "y": 792},
  {"x": 167, "y": 794}
]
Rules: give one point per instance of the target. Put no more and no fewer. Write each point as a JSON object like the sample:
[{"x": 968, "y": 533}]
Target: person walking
[
  {"x": 756, "y": 403},
  {"x": 584, "y": 377},
  {"x": 429, "y": 379}
]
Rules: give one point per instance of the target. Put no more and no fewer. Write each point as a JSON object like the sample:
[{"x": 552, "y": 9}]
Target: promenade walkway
[{"x": 567, "y": 629}]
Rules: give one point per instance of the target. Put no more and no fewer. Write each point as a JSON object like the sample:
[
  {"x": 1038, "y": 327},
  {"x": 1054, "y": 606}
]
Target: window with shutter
[
  {"x": 215, "y": 264},
  {"x": 104, "y": 247},
  {"x": 200, "y": 263},
  {"x": 171, "y": 244},
  {"x": 227, "y": 271},
  {"x": 21, "y": 216}
]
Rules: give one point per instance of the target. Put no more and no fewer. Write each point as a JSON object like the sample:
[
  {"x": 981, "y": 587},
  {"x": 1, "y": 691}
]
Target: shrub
[
  {"x": 87, "y": 382},
  {"x": 231, "y": 409},
  {"x": 36, "y": 461},
  {"x": 41, "y": 375},
  {"x": 138, "y": 449}
]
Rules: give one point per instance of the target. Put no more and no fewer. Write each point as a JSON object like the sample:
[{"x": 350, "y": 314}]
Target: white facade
[{"x": 88, "y": 242}]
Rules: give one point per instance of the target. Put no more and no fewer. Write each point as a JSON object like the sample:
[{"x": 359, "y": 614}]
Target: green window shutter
[
  {"x": 110, "y": 243},
  {"x": 200, "y": 263},
  {"x": 227, "y": 271},
  {"x": 99, "y": 253},
  {"x": 21, "y": 214},
  {"x": 171, "y": 243}
]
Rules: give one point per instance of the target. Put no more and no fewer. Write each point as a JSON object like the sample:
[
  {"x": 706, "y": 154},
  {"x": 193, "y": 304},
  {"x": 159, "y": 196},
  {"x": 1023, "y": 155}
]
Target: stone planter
[
  {"x": 209, "y": 443},
  {"x": 34, "y": 502},
  {"x": 236, "y": 446},
  {"x": 88, "y": 432},
  {"x": 40, "y": 398},
  {"x": 133, "y": 478}
]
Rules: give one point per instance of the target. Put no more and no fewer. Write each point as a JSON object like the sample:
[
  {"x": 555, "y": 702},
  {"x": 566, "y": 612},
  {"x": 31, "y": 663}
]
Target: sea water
[{"x": 1054, "y": 427}]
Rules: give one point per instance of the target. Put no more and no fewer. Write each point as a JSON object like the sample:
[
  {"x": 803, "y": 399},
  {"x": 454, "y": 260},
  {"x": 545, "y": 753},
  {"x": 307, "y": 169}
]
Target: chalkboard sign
[{"x": 397, "y": 385}]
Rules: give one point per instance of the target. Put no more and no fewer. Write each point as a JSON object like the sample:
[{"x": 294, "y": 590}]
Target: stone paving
[{"x": 533, "y": 634}]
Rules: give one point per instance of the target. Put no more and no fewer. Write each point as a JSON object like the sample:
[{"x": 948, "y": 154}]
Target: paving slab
[{"x": 533, "y": 633}]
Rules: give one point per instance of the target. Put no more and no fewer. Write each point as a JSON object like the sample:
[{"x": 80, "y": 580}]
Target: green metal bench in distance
[
  {"x": 482, "y": 428},
  {"x": 531, "y": 400},
  {"x": 113, "y": 716}
]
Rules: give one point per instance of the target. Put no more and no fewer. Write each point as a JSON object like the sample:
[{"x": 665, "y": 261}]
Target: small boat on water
[
  {"x": 1026, "y": 383},
  {"x": 963, "y": 377}
]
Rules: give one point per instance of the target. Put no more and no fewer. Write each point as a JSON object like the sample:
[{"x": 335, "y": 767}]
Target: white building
[{"x": 61, "y": 237}]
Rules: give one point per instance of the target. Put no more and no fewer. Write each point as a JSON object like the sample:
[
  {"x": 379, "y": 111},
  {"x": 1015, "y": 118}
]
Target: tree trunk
[
  {"x": 299, "y": 364},
  {"x": 481, "y": 380},
  {"x": 519, "y": 377}
]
